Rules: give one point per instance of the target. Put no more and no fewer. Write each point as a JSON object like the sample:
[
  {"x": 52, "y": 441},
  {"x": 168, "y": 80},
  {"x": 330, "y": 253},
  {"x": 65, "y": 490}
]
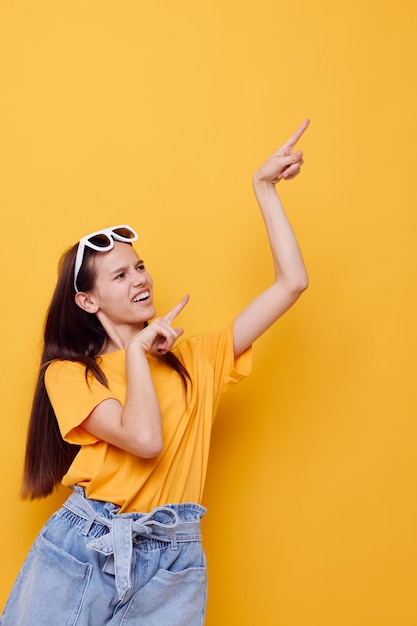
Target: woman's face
[{"x": 123, "y": 289}]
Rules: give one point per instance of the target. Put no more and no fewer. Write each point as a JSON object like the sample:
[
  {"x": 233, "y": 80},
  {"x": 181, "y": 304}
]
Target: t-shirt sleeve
[
  {"x": 216, "y": 348},
  {"x": 73, "y": 397}
]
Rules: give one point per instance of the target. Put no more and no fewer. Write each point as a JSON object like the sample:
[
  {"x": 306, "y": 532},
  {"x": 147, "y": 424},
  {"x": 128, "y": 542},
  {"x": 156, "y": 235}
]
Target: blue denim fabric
[{"x": 91, "y": 566}]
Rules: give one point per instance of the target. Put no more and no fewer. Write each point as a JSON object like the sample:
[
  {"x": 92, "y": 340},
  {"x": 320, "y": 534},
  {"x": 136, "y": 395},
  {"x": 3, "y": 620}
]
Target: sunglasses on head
[{"x": 102, "y": 241}]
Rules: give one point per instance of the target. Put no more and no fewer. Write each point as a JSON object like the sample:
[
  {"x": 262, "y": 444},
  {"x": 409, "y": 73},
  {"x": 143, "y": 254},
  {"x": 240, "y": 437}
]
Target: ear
[{"x": 86, "y": 302}]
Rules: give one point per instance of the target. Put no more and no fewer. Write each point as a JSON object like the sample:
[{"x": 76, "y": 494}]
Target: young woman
[{"x": 123, "y": 414}]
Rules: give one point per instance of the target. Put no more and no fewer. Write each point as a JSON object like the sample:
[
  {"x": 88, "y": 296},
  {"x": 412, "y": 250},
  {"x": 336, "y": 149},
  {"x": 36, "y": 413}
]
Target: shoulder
[
  {"x": 217, "y": 339},
  {"x": 71, "y": 374},
  {"x": 64, "y": 368},
  {"x": 214, "y": 352}
]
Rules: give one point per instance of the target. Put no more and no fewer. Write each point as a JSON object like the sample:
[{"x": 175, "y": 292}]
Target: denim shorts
[{"x": 91, "y": 566}]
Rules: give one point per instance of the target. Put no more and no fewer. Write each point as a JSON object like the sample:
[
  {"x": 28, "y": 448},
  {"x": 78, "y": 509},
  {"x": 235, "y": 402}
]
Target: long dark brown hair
[{"x": 74, "y": 335}]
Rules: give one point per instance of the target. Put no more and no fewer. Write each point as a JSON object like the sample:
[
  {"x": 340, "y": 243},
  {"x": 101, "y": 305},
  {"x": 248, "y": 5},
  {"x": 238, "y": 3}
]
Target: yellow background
[{"x": 156, "y": 114}]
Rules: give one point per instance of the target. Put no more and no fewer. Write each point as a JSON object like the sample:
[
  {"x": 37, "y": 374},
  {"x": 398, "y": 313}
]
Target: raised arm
[{"x": 290, "y": 272}]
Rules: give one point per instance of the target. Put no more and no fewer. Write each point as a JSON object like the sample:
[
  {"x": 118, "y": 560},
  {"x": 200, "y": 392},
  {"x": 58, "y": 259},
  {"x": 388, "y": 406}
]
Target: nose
[{"x": 138, "y": 279}]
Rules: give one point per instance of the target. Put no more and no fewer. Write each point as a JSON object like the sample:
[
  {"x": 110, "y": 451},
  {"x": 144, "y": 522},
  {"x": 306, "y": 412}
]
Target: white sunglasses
[{"x": 102, "y": 241}]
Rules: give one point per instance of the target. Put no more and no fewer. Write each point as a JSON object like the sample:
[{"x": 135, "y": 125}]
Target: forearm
[
  {"x": 141, "y": 416},
  {"x": 290, "y": 271}
]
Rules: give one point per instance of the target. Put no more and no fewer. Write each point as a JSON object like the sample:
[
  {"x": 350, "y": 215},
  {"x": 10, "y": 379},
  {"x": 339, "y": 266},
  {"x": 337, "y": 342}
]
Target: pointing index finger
[
  {"x": 172, "y": 314},
  {"x": 290, "y": 143}
]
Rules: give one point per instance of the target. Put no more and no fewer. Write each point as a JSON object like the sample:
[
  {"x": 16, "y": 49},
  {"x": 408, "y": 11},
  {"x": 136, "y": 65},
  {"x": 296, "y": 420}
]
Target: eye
[
  {"x": 119, "y": 276},
  {"x": 140, "y": 267}
]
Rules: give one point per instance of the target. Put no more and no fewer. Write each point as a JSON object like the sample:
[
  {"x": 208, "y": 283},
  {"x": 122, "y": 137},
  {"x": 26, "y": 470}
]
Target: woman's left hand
[{"x": 284, "y": 163}]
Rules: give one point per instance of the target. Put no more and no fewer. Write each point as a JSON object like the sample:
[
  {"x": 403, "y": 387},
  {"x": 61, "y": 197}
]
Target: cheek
[{"x": 108, "y": 296}]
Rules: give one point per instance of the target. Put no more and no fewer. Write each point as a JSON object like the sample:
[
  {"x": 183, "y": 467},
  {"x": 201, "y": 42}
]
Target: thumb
[
  {"x": 289, "y": 159},
  {"x": 297, "y": 156}
]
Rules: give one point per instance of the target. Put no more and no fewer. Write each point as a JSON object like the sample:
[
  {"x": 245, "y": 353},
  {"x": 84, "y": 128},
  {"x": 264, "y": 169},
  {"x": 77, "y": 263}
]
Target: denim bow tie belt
[{"x": 122, "y": 531}]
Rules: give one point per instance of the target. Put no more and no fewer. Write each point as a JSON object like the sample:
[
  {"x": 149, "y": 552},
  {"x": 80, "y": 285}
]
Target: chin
[{"x": 151, "y": 313}]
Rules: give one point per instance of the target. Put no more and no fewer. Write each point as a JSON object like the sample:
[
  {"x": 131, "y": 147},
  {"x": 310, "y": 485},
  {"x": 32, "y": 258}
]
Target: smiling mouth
[{"x": 145, "y": 295}]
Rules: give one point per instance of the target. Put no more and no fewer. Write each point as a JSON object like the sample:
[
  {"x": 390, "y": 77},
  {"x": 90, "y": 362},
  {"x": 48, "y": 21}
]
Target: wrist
[
  {"x": 259, "y": 181},
  {"x": 263, "y": 189},
  {"x": 135, "y": 351}
]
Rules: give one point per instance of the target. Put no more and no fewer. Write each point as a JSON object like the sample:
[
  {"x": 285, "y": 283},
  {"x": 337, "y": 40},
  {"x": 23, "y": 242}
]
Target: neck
[{"x": 118, "y": 337}]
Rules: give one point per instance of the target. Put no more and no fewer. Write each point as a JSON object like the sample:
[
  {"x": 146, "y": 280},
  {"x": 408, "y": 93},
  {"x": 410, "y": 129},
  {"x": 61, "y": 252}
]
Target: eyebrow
[{"x": 124, "y": 268}]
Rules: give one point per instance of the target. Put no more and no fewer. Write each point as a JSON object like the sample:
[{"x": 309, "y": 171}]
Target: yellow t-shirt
[{"x": 178, "y": 473}]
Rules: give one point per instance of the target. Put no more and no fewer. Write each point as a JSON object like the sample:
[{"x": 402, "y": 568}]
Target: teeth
[{"x": 141, "y": 296}]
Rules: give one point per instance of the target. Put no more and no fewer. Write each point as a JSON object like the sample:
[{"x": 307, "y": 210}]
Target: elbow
[
  {"x": 148, "y": 447},
  {"x": 302, "y": 285},
  {"x": 151, "y": 449},
  {"x": 298, "y": 285},
  {"x": 151, "y": 453}
]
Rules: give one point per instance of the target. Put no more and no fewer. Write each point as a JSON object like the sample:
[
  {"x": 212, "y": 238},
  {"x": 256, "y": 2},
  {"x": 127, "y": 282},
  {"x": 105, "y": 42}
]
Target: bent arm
[
  {"x": 137, "y": 426},
  {"x": 290, "y": 273}
]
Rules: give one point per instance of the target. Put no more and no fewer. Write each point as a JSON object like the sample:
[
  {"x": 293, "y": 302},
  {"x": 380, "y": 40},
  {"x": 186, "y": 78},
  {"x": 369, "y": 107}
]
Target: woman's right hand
[{"x": 159, "y": 336}]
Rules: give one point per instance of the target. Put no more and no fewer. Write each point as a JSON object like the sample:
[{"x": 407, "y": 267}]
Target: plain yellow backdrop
[{"x": 156, "y": 114}]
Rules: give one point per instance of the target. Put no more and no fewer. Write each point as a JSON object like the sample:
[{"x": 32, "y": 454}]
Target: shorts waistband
[{"x": 123, "y": 528}]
